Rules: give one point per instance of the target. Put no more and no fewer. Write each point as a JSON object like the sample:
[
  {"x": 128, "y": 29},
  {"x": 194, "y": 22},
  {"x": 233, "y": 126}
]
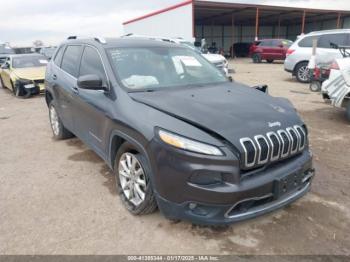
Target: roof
[
  {"x": 122, "y": 42},
  {"x": 24, "y": 55}
]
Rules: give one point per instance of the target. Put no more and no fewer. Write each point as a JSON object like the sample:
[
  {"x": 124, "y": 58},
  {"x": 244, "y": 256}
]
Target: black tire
[
  {"x": 19, "y": 92},
  {"x": 347, "y": 111},
  {"x": 302, "y": 72},
  {"x": 2, "y": 83},
  {"x": 61, "y": 132},
  {"x": 256, "y": 58},
  {"x": 149, "y": 204},
  {"x": 315, "y": 86},
  {"x": 269, "y": 61}
]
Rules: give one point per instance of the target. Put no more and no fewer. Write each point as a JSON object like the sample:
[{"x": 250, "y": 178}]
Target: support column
[
  {"x": 338, "y": 20},
  {"x": 303, "y": 22},
  {"x": 279, "y": 27},
  {"x": 256, "y": 24},
  {"x": 233, "y": 34}
]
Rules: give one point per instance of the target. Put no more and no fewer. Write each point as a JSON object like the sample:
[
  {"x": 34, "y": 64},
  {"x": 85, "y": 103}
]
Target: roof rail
[{"x": 96, "y": 38}]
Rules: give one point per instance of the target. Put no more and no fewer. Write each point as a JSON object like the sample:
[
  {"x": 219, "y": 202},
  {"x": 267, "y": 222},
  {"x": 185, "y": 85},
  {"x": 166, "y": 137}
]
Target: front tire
[
  {"x": 2, "y": 83},
  {"x": 58, "y": 129},
  {"x": 269, "y": 61},
  {"x": 302, "y": 72},
  {"x": 132, "y": 175}
]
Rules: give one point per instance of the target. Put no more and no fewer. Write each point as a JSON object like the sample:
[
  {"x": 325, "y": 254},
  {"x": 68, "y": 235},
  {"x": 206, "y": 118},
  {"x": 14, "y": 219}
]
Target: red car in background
[{"x": 269, "y": 50}]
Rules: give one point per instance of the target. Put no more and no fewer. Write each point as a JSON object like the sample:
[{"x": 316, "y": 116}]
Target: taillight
[
  {"x": 334, "y": 65},
  {"x": 289, "y": 52}
]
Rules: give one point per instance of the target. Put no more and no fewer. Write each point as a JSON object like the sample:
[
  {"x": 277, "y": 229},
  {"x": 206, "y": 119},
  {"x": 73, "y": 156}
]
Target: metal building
[{"x": 226, "y": 22}]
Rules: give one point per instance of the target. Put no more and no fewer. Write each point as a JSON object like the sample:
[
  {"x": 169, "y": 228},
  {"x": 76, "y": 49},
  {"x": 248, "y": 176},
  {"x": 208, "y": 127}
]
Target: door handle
[
  {"x": 75, "y": 90},
  {"x": 54, "y": 77}
]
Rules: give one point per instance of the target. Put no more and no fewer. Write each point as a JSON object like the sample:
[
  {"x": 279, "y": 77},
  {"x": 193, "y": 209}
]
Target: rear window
[{"x": 70, "y": 60}]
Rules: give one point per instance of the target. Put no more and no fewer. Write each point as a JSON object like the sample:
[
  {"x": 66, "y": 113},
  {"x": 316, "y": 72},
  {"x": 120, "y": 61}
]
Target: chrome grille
[{"x": 273, "y": 146}]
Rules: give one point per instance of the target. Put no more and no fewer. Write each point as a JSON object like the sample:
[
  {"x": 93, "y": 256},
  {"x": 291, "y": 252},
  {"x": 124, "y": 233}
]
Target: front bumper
[{"x": 236, "y": 197}]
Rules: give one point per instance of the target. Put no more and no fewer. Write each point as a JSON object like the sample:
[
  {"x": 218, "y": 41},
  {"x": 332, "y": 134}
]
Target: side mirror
[
  {"x": 90, "y": 82},
  {"x": 281, "y": 46},
  {"x": 262, "y": 88}
]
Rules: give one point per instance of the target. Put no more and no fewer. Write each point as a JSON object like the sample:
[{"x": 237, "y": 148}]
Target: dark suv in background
[
  {"x": 176, "y": 133},
  {"x": 269, "y": 50}
]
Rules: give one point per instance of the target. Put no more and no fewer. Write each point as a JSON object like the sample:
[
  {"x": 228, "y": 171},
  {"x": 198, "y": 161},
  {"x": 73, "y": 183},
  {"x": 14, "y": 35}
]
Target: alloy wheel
[
  {"x": 132, "y": 178},
  {"x": 55, "y": 125},
  {"x": 303, "y": 73}
]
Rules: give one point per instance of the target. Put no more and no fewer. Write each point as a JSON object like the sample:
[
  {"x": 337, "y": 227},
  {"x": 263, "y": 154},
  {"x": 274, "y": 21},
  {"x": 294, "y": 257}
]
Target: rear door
[
  {"x": 91, "y": 105},
  {"x": 64, "y": 79}
]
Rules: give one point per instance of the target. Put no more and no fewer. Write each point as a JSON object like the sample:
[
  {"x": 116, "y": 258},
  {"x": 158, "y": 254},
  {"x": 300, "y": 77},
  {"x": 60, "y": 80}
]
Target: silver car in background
[{"x": 300, "y": 51}]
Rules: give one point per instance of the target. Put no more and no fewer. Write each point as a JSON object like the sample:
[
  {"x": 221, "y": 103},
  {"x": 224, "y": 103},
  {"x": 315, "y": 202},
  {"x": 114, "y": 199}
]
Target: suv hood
[
  {"x": 31, "y": 73},
  {"x": 232, "y": 111}
]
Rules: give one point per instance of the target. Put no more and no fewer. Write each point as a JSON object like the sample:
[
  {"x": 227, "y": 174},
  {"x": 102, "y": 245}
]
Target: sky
[{"x": 24, "y": 21}]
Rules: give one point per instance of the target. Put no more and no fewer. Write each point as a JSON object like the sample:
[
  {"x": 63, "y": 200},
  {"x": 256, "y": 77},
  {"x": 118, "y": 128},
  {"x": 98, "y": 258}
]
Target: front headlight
[{"x": 188, "y": 144}]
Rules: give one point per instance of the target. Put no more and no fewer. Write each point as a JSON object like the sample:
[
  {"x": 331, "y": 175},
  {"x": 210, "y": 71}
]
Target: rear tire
[
  {"x": 58, "y": 129},
  {"x": 269, "y": 61},
  {"x": 132, "y": 175},
  {"x": 256, "y": 58},
  {"x": 302, "y": 72}
]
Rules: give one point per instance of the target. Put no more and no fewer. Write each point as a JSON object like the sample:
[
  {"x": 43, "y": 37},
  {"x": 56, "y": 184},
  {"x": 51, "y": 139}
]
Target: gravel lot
[{"x": 60, "y": 198}]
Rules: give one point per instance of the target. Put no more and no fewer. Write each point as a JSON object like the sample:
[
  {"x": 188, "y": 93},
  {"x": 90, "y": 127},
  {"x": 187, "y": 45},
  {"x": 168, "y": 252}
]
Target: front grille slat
[{"x": 273, "y": 146}]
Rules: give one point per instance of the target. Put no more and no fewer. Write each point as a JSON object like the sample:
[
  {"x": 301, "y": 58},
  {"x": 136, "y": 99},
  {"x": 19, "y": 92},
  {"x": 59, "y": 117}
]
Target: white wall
[{"x": 173, "y": 23}]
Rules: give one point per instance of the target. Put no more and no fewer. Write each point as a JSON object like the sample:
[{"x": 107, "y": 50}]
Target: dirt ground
[{"x": 58, "y": 197}]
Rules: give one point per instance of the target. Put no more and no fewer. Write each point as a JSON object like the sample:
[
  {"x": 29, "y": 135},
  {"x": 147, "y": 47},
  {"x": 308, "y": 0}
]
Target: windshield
[
  {"x": 162, "y": 67},
  {"x": 29, "y": 61}
]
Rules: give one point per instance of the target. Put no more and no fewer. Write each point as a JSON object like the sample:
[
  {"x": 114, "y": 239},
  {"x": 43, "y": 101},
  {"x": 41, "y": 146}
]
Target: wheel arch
[
  {"x": 117, "y": 138},
  {"x": 296, "y": 65},
  {"x": 48, "y": 97}
]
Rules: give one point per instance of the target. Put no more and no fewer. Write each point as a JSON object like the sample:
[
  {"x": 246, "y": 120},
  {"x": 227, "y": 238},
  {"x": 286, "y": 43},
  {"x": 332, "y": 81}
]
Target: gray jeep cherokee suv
[{"x": 176, "y": 133}]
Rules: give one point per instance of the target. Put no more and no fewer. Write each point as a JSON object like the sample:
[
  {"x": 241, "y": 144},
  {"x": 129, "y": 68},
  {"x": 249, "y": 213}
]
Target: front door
[{"x": 91, "y": 105}]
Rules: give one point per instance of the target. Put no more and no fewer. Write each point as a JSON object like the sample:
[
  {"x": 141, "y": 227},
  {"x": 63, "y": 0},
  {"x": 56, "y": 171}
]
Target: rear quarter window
[
  {"x": 58, "y": 57},
  {"x": 70, "y": 60},
  {"x": 306, "y": 41}
]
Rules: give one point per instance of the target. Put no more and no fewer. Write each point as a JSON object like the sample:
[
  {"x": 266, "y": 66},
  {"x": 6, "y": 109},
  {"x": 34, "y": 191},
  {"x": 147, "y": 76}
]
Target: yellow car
[{"x": 24, "y": 74}]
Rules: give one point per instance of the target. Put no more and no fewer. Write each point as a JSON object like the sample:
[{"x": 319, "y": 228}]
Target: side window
[
  {"x": 58, "y": 57},
  {"x": 306, "y": 42},
  {"x": 91, "y": 64},
  {"x": 70, "y": 60},
  {"x": 276, "y": 43},
  {"x": 326, "y": 41},
  {"x": 266, "y": 43}
]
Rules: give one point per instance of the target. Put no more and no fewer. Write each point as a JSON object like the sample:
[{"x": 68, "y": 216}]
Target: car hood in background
[
  {"x": 31, "y": 73},
  {"x": 214, "y": 58},
  {"x": 230, "y": 110}
]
